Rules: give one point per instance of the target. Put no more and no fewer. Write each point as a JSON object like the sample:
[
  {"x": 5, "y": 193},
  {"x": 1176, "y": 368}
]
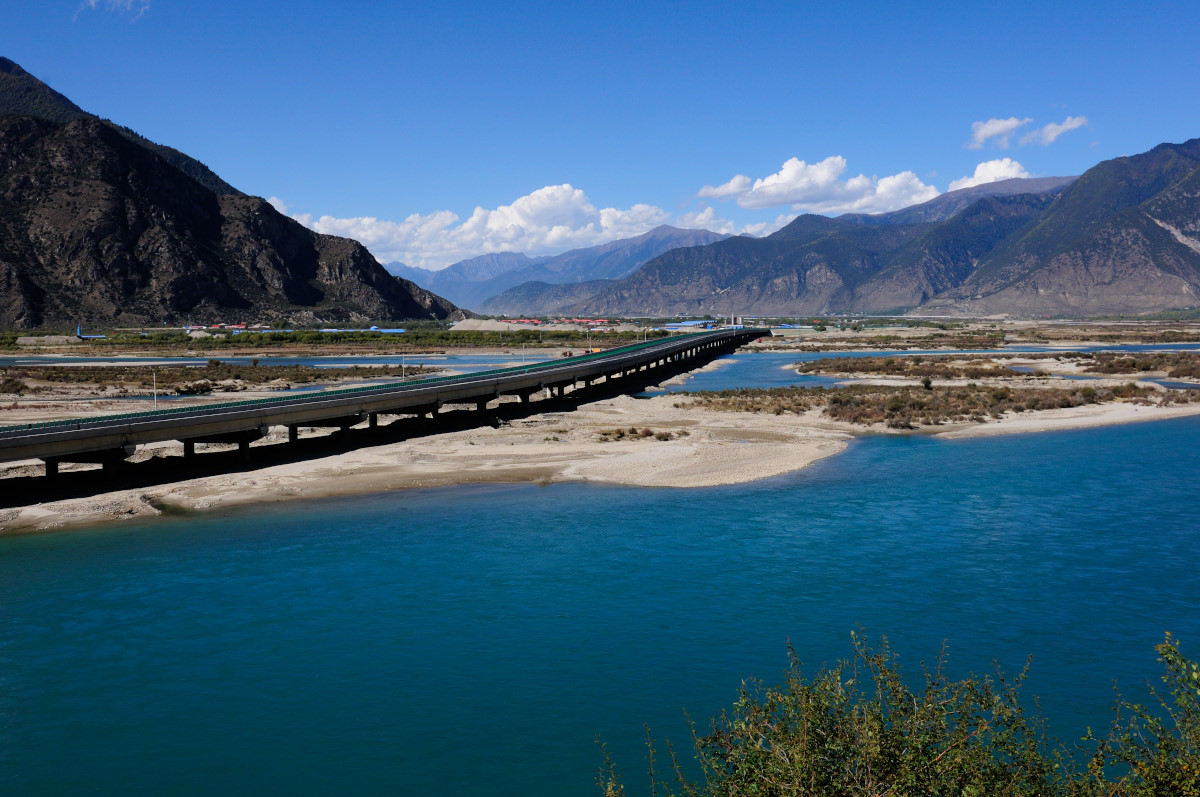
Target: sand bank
[
  {"x": 1087, "y": 416},
  {"x": 698, "y": 449}
]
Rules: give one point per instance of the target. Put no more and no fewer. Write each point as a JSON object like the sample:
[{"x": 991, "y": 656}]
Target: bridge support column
[
  {"x": 189, "y": 449},
  {"x": 293, "y": 433},
  {"x": 373, "y": 420},
  {"x": 51, "y": 468},
  {"x": 244, "y": 449},
  {"x": 481, "y": 405}
]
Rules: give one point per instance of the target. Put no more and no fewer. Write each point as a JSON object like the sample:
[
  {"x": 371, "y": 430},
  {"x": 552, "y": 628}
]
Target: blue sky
[{"x": 438, "y": 131}]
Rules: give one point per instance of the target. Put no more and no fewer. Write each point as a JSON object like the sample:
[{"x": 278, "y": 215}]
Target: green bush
[{"x": 858, "y": 729}]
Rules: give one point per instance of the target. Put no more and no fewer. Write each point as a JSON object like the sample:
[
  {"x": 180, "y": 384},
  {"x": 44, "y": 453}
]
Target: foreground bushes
[{"x": 857, "y": 729}]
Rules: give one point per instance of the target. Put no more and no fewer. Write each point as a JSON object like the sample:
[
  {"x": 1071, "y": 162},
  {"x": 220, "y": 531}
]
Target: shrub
[{"x": 860, "y": 728}]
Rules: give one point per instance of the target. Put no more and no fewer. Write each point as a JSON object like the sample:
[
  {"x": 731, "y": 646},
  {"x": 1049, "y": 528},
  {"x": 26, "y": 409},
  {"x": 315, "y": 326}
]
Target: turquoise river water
[{"x": 476, "y": 640}]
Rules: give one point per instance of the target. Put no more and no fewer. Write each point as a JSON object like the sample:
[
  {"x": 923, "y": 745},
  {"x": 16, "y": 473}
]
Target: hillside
[
  {"x": 22, "y": 93},
  {"x": 1122, "y": 238},
  {"x": 96, "y": 228}
]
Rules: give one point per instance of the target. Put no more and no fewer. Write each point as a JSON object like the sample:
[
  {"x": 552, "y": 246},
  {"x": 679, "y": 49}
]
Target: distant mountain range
[
  {"x": 100, "y": 226},
  {"x": 483, "y": 283},
  {"x": 1124, "y": 238}
]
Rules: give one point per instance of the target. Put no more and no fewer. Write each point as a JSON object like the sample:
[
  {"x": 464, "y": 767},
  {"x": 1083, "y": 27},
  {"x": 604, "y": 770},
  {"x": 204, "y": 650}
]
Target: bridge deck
[{"x": 82, "y": 437}]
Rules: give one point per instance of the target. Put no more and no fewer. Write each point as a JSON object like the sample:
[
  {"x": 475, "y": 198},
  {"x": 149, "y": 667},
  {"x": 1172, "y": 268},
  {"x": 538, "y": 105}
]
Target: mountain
[
  {"x": 1122, "y": 238},
  {"x": 473, "y": 283},
  {"x": 22, "y": 93},
  {"x": 98, "y": 228},
  {"x": 463, "y": 282},
  {"x": 807, "y": 267}
]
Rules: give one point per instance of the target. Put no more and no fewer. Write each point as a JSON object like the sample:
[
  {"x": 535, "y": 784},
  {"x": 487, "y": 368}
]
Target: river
[{"x": 476, "y": 640}]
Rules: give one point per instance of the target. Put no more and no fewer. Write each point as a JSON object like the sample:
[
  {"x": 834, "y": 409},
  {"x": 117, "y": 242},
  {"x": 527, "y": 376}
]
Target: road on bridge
[{"x": 110, "y": 439}]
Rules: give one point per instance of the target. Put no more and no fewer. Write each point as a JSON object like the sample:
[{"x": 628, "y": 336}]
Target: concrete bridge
[{"x": 110, "y": 439}]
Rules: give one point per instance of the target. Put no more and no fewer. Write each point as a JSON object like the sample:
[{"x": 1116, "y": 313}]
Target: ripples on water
[{"x": 474, "y": 640}]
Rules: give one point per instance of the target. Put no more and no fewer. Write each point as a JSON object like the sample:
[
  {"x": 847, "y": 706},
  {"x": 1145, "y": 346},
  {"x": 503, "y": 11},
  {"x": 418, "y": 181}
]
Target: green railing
[{"x": 76, "y": 423}]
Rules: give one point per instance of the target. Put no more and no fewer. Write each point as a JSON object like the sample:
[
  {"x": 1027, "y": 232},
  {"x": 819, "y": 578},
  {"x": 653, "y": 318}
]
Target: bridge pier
[
  {"x": 242, "y": 439},
  {"x": 108, "y": 458}
]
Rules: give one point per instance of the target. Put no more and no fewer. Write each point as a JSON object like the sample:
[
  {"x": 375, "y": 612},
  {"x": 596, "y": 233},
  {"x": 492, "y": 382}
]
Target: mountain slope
[
  {"x": 22, "y": 93},
  {"x": 1116, "y": 241},
  {"x": 95, "y": 228},
  {"x": 813, "y": 265}
]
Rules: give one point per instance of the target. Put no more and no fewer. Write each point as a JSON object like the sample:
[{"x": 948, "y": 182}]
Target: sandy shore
[
  {"x": 700, "y": 449},
  {"x": 1085, "y": 417}
]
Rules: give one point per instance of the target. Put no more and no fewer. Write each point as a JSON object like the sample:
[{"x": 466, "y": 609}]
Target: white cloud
[
  {"x": 818, "y": 188},
  {"x": 740, "y": 184},
  {"x": 990, "y": 172},
  {"x": 134, "y": 7},
  {"x": 768, "y": 227},
  {"x": 999, "y": 129},
  {"x": 549, "y": 220},
  {"x": 707, "y": 219},
  {"x": 1046, "y": 135}
]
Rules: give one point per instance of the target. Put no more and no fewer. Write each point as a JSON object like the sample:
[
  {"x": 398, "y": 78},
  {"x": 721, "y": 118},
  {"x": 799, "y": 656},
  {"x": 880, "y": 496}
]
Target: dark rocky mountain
[
  {"x": 1123, "y": 238},
  {"x": 22, "y": 93},
  {"x": 97, "y": 228},
  {"x": 490, "y": 283}
]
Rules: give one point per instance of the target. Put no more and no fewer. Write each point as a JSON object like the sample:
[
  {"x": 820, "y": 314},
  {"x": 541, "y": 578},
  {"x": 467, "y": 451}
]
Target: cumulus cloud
[
  {"x": 707, "y": 219},
  {"x": 134, "y": 7},
  {"x": 1046, "y": 135},
  {"x": 740, "y": 184},
  {"x": 818, "y": 188},
  {"x": 549, "y": 220},
  {"x": 990, "y": 172},
  {"x": 999, "y": 131}
]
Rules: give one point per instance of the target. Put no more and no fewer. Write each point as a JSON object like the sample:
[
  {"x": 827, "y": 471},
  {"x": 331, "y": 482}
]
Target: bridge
[{"x": 110, "y": 439}]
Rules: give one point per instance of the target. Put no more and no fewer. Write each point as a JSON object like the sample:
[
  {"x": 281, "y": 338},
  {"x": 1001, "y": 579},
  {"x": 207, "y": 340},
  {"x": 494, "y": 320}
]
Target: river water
[{"x": 476, "y": 640}]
